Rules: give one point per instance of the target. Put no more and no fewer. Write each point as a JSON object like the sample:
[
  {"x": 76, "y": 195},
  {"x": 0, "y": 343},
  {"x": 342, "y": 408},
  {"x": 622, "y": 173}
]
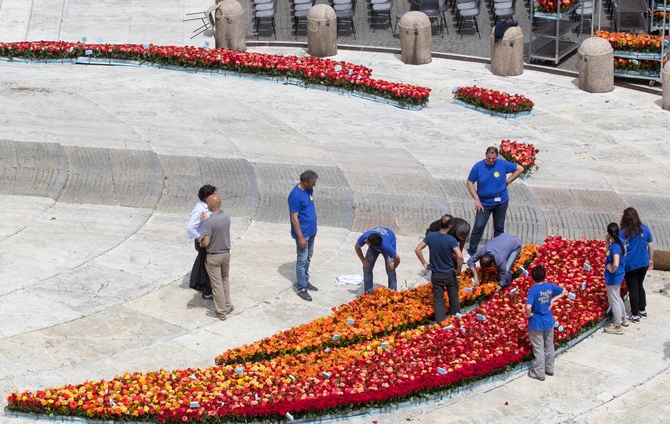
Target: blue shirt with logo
[
  {"x": 388, "y": 245},
  {"x": 637, "y": 250},
  {"x": 491, "y": 181},
  {"x": 616, "y": 277},
  {"x": 539, "y": 297},
  {"x": 302, "y": 201}
]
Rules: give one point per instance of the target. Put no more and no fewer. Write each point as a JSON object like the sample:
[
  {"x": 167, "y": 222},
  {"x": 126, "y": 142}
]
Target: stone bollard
[
  {"x": 227, "y": 19},
  {"x": 665, "y": 80},
  {"x": 415, "y": 38},
  {"x": 321, "y": 31},
  {"x": 507, "y": 53},
  {"x": 596, "y": 66}
]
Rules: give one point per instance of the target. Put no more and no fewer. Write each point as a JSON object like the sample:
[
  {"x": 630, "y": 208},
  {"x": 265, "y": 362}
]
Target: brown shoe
[
  {"x": 614, "y": 329},
  {"x": 215, "y": 315},
  {"x": 230, "y": 310}
]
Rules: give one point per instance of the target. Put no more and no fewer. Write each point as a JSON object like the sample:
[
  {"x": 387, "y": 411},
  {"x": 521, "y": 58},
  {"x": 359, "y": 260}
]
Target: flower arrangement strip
[
  {"x": 369, "y": 316},
  {"x": 372, "y": 372},
  {"x": 552, "y": 6},
  {"x": 642, "y": 43},
  {"x": 497, "y": 101},
  {"x": 519, "y": 153},
  {"x": 311, "y": 70}
]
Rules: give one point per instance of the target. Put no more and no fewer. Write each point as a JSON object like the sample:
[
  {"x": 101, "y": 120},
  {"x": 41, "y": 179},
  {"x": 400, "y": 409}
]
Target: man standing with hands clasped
[
  {"x": 217, "y": 242},
  {"x": 444, "y": 251},
  {"x": 490, "y": 194}
]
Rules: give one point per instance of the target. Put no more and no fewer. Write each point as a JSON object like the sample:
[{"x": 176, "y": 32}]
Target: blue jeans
[
  {"x": 371, "y": 256},
  {"x": 482, "y": 218},
  {"x": 508, "y": 265},
  {"x": 302, "y": 263}
]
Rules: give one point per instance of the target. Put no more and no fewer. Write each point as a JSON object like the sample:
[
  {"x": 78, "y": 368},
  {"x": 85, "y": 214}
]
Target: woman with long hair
[
  {"x": 639, "y": 258},
  {"x": 614, "y": 273}
]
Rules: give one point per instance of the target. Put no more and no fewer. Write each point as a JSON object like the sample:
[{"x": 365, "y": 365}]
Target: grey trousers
[
  {"x": 543, "y": 349},
  {"x": 217, "y": 267},
  {"x": 616, "y": 303}
]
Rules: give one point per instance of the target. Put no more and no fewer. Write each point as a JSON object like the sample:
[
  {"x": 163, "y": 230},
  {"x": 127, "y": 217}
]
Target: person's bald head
[{"x": 214, "y": 203}]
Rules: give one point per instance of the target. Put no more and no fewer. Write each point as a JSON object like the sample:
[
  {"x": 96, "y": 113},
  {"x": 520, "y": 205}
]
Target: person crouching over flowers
[{"x": 541, "y": 297}]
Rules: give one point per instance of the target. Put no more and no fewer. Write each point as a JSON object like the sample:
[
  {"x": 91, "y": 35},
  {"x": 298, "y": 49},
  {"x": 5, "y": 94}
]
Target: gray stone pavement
[{"x": 100, "y": 166}]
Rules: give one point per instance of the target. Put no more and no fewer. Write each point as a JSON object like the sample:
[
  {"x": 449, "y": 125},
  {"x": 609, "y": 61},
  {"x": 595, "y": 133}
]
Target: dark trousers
[
  {"x": 199, "y": 278},
  {"x": 482, "y": 218},
  {"x": 638, "y": 298},
  {"x": 442, "y": 282}
]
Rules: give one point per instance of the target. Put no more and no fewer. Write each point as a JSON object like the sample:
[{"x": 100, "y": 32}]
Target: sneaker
[
  {"x": 304, "y": 295},
  {"x": 207, "y": 296},
  {"x": 549, "y": 373},
  {"x": 633, "y": 318},
  {"x": 311, "y": 287},
  {"x": 532, "y": 374},
  {"x": 228, "y": 311},
  {"x": 624, "y": 322},
  {"x": 215, "y": 315},
  {"x": 614, "y": 329},
  {"x": 643, "y": 314}
]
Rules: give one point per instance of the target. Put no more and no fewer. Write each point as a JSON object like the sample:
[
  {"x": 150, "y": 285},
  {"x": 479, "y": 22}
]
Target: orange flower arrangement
[{"x": 642, "y": 43}]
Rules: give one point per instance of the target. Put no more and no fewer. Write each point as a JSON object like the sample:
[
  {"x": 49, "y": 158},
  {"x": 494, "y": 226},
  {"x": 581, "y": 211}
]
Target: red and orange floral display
[
  {"x": 382, "y": 366},
  {"x": 497, "y": 101},
  {"x": 520, "y": 153},
  {"x": 310, "y": 70},
  {"x": 552, "y": 6},
  {"x": 624, "y": 41}
]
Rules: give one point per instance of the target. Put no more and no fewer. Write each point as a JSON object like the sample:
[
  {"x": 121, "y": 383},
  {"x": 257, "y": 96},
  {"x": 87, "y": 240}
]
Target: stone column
[
  {"x": 321, "y": 31},
  {"x": 227, "y": 19},
  {"x": 665, "y": 80},
  {"x": 415, "y": 38},
  {"x": 507, "y": 53},
  {"x": 596, "y": 66}
]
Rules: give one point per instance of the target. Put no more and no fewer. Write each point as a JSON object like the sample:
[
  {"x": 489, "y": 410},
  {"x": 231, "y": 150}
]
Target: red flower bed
[
  {"x": 383, "y": 369},
  {"x": 494, "y": 100},
  {"x": 520, "y": 153},
  {"x": 311, "y": 70}
]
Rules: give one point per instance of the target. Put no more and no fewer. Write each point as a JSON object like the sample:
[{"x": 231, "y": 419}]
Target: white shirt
[{"x": 196, "y": 226}]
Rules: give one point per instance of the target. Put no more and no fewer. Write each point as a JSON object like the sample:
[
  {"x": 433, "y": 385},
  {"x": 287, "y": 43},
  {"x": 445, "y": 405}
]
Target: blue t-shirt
[
  {"x": 491, "y": 181},
  {"x": 302, "y": 201},
  {"x": 617, "y": 276},
  {"x": 637, "y": 250},
  {"x": 441, "y": 246},
  {"x": 388, "y": 241},
  {"x": 539, "y": 296}
]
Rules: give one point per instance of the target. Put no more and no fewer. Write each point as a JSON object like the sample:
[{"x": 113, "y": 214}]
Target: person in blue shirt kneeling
[{"x": 541, "y": 297}]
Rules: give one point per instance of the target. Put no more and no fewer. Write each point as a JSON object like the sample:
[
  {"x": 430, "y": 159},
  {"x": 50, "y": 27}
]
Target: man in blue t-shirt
[
  {"x": 490, "y": 193},
  {"x": 303, "y": 228},
  {"x": 380, "y": 240},
  {"x": 443, "y": 248},
  {"x": 541, "y": 297}
]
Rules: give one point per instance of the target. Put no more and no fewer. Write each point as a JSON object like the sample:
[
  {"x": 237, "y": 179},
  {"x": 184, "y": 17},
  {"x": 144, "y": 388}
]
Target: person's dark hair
[
  {"x": 492, "y": 149},
  {"x": 486, "y": 261},
  {"x": 206, "y": 191},
  {"x": 375, "y": 239},
  {"x": 630, "y": 223},
  {"x": 613, "y": 231},
  {"x": 309, "y": 175},
  {"x": 462, "y": 229},
  {"x": 446, "y": 221},
  {"x": 539, "y": 273}
]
